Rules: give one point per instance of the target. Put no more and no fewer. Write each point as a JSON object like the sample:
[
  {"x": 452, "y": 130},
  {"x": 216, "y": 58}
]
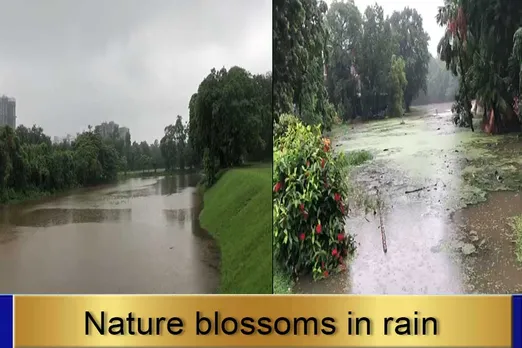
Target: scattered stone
[
  {"x": 436, "y": 248},
  {"x": 456, "y": 150},
  {"x": 474, "y": 238},
  {"x": 468, "y": 249},
  {"x": 459, "y": 244},
  {"x": 473, "y": 233},
  {"x": 385, "y": 150},
  {"x": 482, "y": 243}
]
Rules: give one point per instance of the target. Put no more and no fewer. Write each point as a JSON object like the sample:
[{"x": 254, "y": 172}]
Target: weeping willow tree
[{"x": 478, "y": 46}]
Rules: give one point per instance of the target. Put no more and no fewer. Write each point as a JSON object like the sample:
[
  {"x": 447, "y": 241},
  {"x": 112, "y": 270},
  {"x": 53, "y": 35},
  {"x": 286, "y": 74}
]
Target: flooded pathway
[
  {"x": 428, "y": 171},
  {"x": 139, "y": 236}
]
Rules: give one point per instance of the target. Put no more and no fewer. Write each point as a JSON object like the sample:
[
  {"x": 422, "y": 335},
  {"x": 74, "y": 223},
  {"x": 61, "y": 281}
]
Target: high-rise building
[
  {"x": 110, "y": 129},
  {"x": 123, "y": 132},
  {"x": 7, "y": 111}
]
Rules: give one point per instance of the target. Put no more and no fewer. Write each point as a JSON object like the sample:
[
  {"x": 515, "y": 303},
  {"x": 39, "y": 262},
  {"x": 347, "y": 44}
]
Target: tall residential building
[
  {"x": 108, "y": 129},
  {"x": 123, "y": 132},
  {"x": 7, "y": 111}
]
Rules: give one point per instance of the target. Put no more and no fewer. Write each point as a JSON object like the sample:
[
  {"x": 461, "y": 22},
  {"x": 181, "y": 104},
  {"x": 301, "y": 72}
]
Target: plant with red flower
[{"x": 310, "y": 188}]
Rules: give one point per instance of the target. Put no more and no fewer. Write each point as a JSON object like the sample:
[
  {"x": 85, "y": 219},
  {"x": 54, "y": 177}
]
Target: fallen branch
[
  {"x": 383, "y": 233},
  {"x": 416, "y": 190}
]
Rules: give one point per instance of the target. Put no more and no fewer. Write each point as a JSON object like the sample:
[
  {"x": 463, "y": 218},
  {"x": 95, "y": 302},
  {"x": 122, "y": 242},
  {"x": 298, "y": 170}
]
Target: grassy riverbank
[{"x": 238, "y": 213}]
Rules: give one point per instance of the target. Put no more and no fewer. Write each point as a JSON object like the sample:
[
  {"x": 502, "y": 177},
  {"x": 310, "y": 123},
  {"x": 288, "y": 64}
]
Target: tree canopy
[
  {"x": 336, "y": 60},
  {"x": 230, "y": 119},
  {"x": 480, "y": 47}
]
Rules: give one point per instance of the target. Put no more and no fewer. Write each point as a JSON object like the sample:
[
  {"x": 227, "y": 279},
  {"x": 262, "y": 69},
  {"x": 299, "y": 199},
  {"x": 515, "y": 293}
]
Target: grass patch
[
  {"x": 516, "y": 225},
  {"x": 283, "y": 283},
  {"x": 356, "y": 158},
  {"x": 238, "y": 213}
]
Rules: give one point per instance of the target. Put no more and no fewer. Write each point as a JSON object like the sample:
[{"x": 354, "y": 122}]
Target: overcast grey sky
[
  {"x": 426, "y": 8},
  {"x": 136, "y": 62}
]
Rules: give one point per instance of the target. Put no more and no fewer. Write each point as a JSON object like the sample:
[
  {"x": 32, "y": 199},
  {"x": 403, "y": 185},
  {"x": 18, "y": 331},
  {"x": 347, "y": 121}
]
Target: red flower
[
  {"x": 301, "y": 206},
  {"x": 305, "y": 215},
  {"x": 323, "y": 161},
  {"x": 326, "y": 143},
  {"x": 340, "y": 237},
  {"x": 322, "y": 264},
  {"x": 334, "y": 252},
  {"x": 337, "y": 197},
  {"x": 325, "y": 273},
  {"x": 277, "y": 186},
  {"x": 302, "y": 236},
  {"x": 318, "y": 228}
]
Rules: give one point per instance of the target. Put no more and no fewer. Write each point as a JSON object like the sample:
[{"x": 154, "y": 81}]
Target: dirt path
[{"x": 434, "y": 246}]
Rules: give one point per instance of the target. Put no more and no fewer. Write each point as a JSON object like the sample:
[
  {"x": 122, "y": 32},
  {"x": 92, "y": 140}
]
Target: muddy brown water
[
  {"x": 436, "y": 243},
  {"x": 138, "y": 236}
]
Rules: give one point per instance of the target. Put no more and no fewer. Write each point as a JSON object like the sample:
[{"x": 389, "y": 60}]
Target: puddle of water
[
  {"x": 444, "y": 167},
  {"x": 139, "y": 236}
]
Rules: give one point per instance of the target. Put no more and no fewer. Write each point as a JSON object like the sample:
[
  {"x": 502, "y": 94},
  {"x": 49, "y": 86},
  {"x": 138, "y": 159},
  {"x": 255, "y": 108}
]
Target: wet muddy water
[
  {"x": 450, "y": 236},
  {"x": 139, "y": 236}
]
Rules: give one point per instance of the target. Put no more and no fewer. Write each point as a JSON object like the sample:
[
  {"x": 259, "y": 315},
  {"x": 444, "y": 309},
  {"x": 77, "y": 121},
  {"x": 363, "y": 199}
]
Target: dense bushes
[
  {"x": 30, "y": 164},
  {"x": 310, "y": 202}
]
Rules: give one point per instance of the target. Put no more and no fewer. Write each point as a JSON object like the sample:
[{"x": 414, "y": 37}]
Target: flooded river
[
  {"x": 139, "y": 236},
  {"x": 445, "y": 232}
]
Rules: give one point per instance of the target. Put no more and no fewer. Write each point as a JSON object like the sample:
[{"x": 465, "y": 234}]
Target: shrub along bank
[{"x": 309, "y": 203}]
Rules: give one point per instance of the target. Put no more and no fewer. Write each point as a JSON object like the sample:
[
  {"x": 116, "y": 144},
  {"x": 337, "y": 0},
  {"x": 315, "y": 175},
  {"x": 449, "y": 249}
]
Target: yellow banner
[{"x": 282, "y": 321}]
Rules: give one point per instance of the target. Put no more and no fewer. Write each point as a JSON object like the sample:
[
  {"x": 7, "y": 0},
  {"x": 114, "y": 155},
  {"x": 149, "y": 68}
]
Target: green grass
[
  {"x": 283, "y": 283},
  {"x": 238, "y": 213},
  {"x": 516, "y": 224},
  {"x": 356, "y": 158}
]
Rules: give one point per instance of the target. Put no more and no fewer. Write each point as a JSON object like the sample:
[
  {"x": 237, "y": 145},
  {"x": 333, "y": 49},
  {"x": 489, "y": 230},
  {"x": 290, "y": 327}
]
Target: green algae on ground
[
  {"x": 493, "y": 163},
  {"x": 430, "y": 166},
  {"x": 356, "y": 158},
  {"x": 516, "y": 225}
]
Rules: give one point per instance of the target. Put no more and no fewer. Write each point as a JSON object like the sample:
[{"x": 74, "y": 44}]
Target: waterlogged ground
[
  {"x": 139, "y": 236},
  {"x": 452, "y": 234}
]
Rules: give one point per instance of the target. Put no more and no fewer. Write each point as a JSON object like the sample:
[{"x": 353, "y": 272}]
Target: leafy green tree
[
  {"x": 28, "y": 162},
  {"x": 168, "y": 148},
  {"x": 229, "y": 121},
  {"x": 300, "y": 55},
  {"x": 345, "y": 35},
  {"x": 398, "y": 84},
  {"x": 374, "y": 60},
  {"x": 412, "y": 45}
]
